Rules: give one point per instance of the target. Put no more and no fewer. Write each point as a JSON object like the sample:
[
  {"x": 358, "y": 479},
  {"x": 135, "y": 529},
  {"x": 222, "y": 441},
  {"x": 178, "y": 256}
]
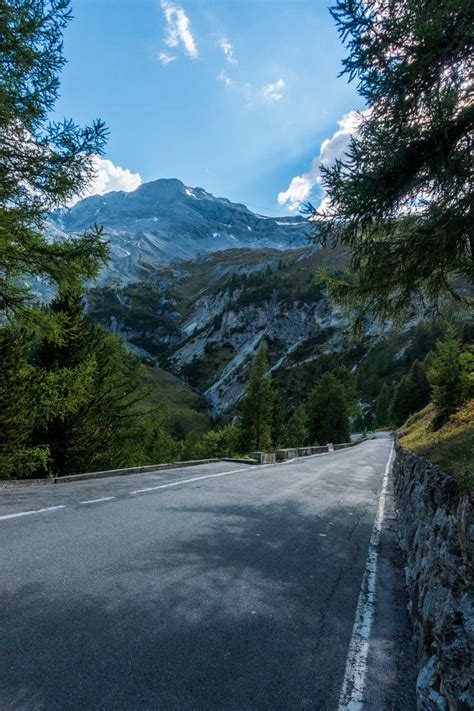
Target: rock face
[
  {"x": 165, "y": 220},
  {"x": 436, "y": 532},
  {"x": 204, "y": 319}
]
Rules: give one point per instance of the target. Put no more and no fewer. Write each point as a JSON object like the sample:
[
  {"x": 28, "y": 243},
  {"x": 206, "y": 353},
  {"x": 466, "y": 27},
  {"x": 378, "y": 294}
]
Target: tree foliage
[
  {"x": 400, "y": 200},
  {"x": 382, "y": 407},
  {"x": 18, "y": 390},
  {"x": 297, "y": 429},
  {"x": 105, "y": 391},
  {"x": 278, "y": 419},
  {"x": 328, "y": 411},
  {"x": 43, "y": 164},
  {"x": 446, "y": 376},
  {"x": 256, "y": 410},
  {"x": 410, "y": 395}
]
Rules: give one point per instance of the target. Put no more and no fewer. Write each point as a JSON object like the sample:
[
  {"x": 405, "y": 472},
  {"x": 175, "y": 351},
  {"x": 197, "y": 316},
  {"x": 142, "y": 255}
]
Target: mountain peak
[
  {"x": 165, "y": 220},
  {"x": 163, "y": 186}
]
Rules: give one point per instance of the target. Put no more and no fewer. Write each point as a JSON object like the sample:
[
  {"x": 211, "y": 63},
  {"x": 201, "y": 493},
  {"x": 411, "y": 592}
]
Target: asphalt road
[{"x": 235, "y": 588}]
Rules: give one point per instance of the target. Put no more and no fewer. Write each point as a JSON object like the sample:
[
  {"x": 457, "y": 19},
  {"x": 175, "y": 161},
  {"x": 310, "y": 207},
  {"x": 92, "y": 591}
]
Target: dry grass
[{"x": 451, "y": 447}]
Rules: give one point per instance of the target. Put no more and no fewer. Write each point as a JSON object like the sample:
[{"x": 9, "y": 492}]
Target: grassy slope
[{"x": 451, "y": 447}]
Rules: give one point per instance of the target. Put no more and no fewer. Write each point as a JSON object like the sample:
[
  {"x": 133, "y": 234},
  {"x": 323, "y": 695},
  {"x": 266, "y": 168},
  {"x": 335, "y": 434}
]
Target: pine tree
[
  {"x": 297, "y": 429},
  {"x": 17, "y": 418},
  {"x": 467, "y": 372},
  {"x": 422, "y": 386},
  {"x": 255, "y": 417},
  {"x": 278, "y": 419},
  {"x": 410, "y": 395},
  {"x": 328, "y": 413},
  {"x": 348, "y": 380},
  {"x": 400, "y": 404},
  {"x": 382, "y": 407},
  {"x": 400, "y": 200},
  {"x": 446, "y": 376},
  {"x": 42, "y": 164},
  {"x": 104, "y": 392}
]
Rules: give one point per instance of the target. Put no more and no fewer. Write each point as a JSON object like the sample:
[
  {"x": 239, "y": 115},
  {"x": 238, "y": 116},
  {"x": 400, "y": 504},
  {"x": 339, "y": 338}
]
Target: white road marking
[
  {"x": 352, "y": 692},
  {"x": 28, "y": 513},
  {"x": 96, "y": 501},
  {"x": 166, "y": 486},
  {"x": 188, "y": 481}
]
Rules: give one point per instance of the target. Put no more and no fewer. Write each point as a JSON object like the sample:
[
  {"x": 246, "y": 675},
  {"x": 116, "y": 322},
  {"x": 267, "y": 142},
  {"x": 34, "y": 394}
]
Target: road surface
[{"x": 221, "y": 586}]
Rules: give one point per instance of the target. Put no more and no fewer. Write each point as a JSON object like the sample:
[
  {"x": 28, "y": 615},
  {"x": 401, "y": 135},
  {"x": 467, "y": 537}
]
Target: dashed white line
[
  {"x": 96, "y": 501},
  {"x": 352, "y": 692},
  {"x": 188, "y": 481},
  {"x": 161, "y": 486},
  {"x": 28, "y": 513}
]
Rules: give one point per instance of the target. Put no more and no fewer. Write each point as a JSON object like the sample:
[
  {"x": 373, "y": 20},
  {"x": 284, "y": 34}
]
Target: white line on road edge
[
  {"x": 188, "y": 481},
  {"x": 27, "y": 513},
  {"x": 352, "y": 692},
  {"x": 96, "y": 501}
]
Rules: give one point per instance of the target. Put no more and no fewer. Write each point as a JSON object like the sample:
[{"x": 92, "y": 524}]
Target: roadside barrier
[{"x": 280, "y": 455}]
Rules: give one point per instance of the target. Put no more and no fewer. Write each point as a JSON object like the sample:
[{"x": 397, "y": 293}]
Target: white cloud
[
  {"x": 228, "y": 50},
  {"x": 178, "y": 29},
  {"x": 165, "y": 58},
  {"x": 224, "y": 78},
  {"x": 275, "y": 91},
  {"x": 109, "y": 177},
  {"x": 299, "y": 189}
]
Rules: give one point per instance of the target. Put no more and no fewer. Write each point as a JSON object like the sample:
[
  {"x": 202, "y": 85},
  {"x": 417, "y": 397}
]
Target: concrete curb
[
  {"x": 239, "y": 461},
  {"x": 13, "y": 483},
  {"x": 345, "y": 445},
  {"x": 105, "y": 474}
]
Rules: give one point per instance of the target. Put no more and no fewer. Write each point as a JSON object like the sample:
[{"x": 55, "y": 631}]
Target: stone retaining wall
[{"x": 436, "y": 532}]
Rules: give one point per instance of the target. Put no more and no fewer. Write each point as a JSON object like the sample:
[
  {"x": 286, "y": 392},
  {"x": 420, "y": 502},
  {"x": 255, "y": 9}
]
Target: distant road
[{"x": 221, "y": 586}]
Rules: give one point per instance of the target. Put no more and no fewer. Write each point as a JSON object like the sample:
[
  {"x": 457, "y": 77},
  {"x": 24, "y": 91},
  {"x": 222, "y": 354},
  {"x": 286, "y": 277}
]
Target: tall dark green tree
[
  {"x": 349, "y": 382},
  {"x": 446, "y": 376},
  {"x": 328, "y": 412},
  {"x": 105, "y": 391},
  {"x": 400, "y": 199},
  {"x": 278, "y": 419},
  {"x": 18, "y": 387},
  {"x": 297, "y": 428},
  {"x": 382, "y": 407},
  {"x": 410, "y": 395},
  {"x": 256, "y": 410},
  {"x": 43, "y": 164}
]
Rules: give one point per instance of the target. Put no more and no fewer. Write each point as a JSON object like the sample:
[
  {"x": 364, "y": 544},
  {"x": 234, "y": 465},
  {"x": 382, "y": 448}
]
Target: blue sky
[{"x": 235, "y": 96}]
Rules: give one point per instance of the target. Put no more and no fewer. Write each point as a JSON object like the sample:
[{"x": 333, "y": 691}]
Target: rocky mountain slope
[
  {"x": 203, "y": 320},
  {"x": 165, "y": 220},
  {"x": 197, "y": 282}
]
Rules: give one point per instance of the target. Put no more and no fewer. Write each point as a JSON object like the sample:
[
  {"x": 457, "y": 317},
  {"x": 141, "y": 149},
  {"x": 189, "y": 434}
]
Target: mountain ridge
[{"x": 164, "y": 220}]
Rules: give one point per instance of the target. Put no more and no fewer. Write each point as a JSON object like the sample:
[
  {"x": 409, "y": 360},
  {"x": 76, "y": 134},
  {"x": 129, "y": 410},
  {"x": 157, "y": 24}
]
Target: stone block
[
  {"x": 283, "y": 454},
  {"x": 319, "y": 450},
  {"x": 263, "y": 457}
]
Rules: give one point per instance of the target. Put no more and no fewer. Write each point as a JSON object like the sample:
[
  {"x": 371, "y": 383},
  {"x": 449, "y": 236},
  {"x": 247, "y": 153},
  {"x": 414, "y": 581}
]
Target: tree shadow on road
[{"x": 253, "y": 612}]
